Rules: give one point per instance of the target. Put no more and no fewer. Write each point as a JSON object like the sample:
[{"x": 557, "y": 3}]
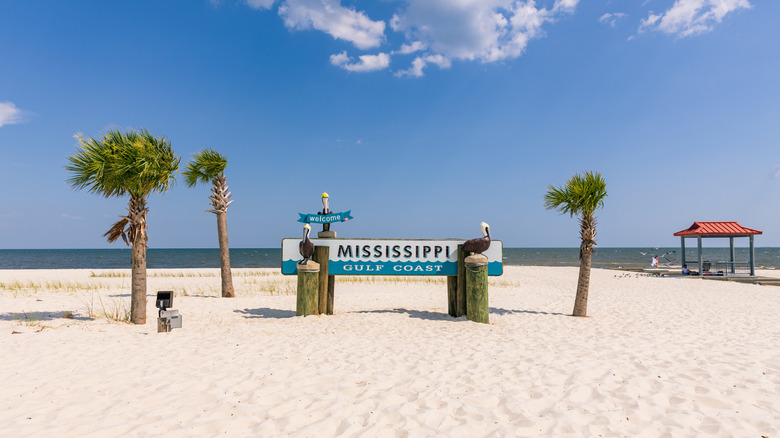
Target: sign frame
[{"x": 426, "y": 257}]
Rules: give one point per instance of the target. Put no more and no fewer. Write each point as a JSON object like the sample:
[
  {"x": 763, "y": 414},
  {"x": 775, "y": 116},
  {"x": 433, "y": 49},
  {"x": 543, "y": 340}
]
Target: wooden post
[
  {"x": 308, "y": 285},
  {"x": 330, "y": 285},
  {"x": 477, "y": 309},
  {"x": 452, "y": 295},
  {"x": 460, "y": 298},
  {"x": 321, "y": 255},
  {"x": 331, "y": 288}
]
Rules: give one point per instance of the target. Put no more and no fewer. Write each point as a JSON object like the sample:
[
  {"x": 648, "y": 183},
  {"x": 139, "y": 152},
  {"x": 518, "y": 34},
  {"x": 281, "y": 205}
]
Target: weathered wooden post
[
  {"x": 321, "y": 255},
  {"x": 308, "y": 284},
  {"x": 452, "y": 295},
  {"x": 327, "y": 281},
  {"x": 331, "y": 288},
  {"x": 477, "y": 309},
  {"x": 460, "y": 296}
]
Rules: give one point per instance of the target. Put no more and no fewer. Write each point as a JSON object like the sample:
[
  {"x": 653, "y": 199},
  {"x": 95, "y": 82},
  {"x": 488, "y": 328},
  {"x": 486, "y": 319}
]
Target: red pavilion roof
[{"x": 717, "y": 228}]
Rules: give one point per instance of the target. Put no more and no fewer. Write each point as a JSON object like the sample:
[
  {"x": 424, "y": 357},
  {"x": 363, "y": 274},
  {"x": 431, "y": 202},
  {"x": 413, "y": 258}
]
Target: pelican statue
[
  {"x": 325, "y": 203},
  {"x": 306, "y": 247},
  {"x": 325, "y": 209},
  {"x": 480, "y": 245}
]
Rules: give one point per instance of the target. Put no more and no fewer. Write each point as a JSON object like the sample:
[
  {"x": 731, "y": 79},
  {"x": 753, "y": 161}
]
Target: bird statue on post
[
  {"x": 306, "y": 247},
  {"x": 480, "y": 245},
  {"x": 325, "y": 209}
]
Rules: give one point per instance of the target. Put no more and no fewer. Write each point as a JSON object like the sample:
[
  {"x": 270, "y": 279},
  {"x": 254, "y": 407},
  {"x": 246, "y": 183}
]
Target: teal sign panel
[
  {"x": 390, "y": 256},
  {"x": 325, "y": 218}
]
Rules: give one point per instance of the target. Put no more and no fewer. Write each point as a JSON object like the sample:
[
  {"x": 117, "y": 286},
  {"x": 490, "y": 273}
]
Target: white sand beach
[{"x": 657, "y": 357}]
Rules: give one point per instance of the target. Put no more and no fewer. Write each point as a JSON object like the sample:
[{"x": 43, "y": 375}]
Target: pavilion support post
[
  {"x": 752, "y": 257},
  {"x": 701, "y": 265},
  {"x": 682, "y": 245},
  {"x": 731, "y": 254}
]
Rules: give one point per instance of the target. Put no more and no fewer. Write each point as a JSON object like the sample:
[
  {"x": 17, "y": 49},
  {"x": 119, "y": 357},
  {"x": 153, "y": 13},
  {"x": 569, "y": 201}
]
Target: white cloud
[
  {"x": 420, "y": 62},
  {"x": 69, "y": 216},
  {"x": 565, "y": 5},
  {"x": 776, "y": 173},
  {"x": 437, "y": 31},
  {"x": 611, "y": 19},
  {"x": 485, "y": 30},
  {"x": 10, "y": 114},
  {"x": 406, "y": 49},
  {"x": 416, "y": 69},
  {"x": 335, "y": 20},
  {"x": 691, "y": 17},
  {"x": 366, "y": 63},
  {"x": 260, "y": 4}
]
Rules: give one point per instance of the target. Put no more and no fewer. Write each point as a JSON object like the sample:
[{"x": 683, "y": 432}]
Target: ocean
[{"x": 766, "y": 258}]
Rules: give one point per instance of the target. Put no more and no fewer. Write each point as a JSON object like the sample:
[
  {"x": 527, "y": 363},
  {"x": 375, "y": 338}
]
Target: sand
[{"x": 657, "y": 357}]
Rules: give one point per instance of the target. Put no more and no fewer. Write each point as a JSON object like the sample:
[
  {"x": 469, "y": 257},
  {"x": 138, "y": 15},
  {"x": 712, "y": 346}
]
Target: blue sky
[{"x": 423, "y": 117}]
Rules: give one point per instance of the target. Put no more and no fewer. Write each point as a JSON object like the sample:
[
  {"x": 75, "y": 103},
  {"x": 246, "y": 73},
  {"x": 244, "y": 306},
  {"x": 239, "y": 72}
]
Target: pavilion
[{"x": 708, "y": 229}]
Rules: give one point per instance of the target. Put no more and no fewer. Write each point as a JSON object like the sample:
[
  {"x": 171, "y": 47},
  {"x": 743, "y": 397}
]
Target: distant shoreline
[{"x": 178, "y": 258}]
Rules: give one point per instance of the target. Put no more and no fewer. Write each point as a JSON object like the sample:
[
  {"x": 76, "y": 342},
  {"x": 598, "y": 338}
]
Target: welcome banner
[{"x": 325, "y": 218}]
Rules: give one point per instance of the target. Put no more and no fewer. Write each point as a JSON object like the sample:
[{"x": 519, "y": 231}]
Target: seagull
[
  {"x": 306, "y": 247},
  {"x": 480, "y": 245}
]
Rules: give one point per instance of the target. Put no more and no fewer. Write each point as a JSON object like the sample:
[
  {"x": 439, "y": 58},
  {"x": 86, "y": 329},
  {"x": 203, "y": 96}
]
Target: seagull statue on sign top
[
  {"x": 479, "y": 245},
  {"x": 306, "y": 247}
]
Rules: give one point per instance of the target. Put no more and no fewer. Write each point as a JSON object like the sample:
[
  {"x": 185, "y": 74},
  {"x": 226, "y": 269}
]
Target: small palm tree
[
  {"x": 209, "y": 165},
  {"x": 119, "y": 164},
  {"x": 581, "y": 195}
]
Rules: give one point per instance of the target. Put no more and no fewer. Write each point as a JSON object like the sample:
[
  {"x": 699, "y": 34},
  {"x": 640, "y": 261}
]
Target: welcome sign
[
  {"x": 325, "y": 218},
  {"x": 390, "y": 256}
]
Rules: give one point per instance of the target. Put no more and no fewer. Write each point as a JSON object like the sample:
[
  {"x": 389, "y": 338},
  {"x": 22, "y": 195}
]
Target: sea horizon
[{"x": 186, "y": 258}]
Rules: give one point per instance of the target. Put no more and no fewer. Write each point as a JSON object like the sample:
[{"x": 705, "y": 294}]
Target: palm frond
[
  {"x": 134, "y": 163},
  {"x": 582, "y": 194},
  {"x": 119, "y": 229},
  {"x": 204, "y": 167}
]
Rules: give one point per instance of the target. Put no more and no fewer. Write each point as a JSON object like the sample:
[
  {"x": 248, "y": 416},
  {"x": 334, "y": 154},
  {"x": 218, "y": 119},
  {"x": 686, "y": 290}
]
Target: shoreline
[
  {"x": 119, "y": 258},
  {"x": 656, "y": 357}
]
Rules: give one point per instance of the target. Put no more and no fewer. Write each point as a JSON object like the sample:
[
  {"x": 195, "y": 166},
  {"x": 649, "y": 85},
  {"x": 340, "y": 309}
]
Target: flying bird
[
  {"x": 306, "y": 247},
  {"x": 479, "y": 245}
]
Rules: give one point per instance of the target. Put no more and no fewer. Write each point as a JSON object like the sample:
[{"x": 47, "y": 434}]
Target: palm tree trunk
[
  {"x": 588, "y": 235},
  {"x": 583, "y": 282},
  {"x": 224, "y": 255},
  {"x": 137, "y": 224},
  {"x": 220, "y": 200}
]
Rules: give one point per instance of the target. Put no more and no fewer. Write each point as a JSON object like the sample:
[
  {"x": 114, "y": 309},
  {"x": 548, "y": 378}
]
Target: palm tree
[
  {"x": 209, "y": 165},
  {"x": 119, "y": 164},
  {"x": 581, "y": 195}
]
